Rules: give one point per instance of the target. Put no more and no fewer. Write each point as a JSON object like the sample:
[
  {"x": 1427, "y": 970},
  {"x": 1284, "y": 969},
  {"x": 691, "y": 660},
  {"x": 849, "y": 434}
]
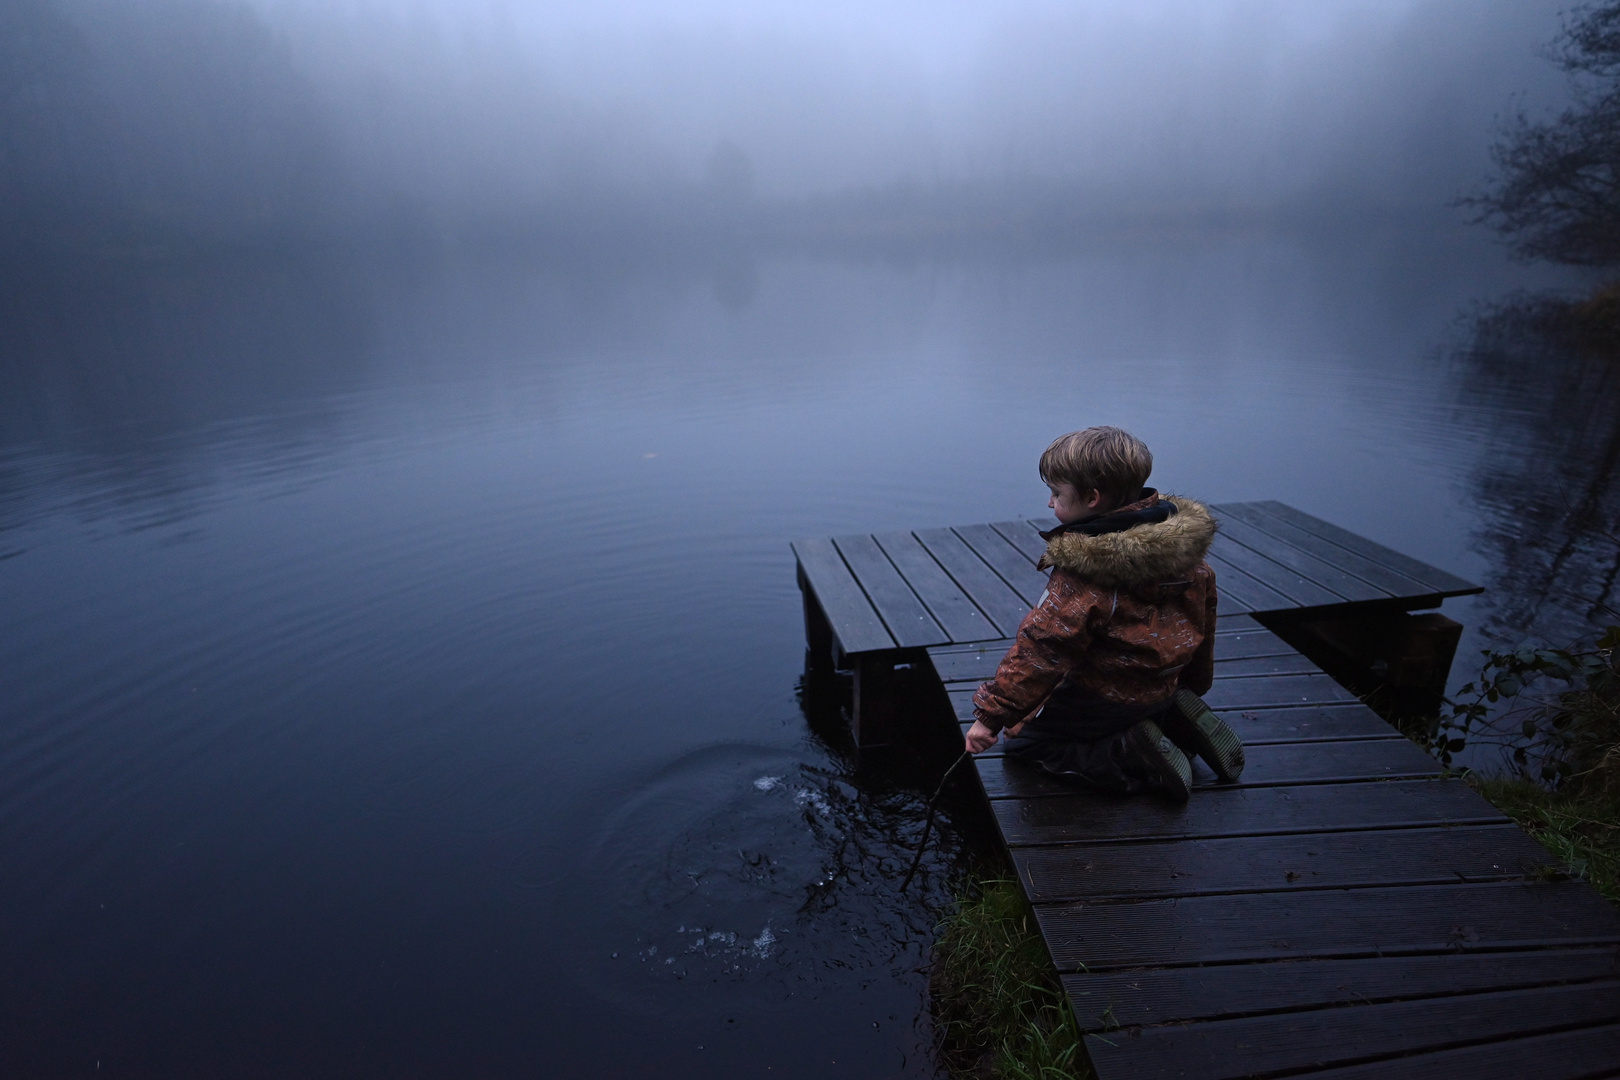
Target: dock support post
[
  {"x": 820, "y": 645},
  {"x": 875, "y": 701},
  {"x": 1397, "y": 661},
  {"x": 1421, "y": 662}
]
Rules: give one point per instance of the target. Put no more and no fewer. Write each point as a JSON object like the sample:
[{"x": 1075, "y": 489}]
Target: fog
[
  {"x": 213, "y": 119},
  {"x": 406, "y": 407}
]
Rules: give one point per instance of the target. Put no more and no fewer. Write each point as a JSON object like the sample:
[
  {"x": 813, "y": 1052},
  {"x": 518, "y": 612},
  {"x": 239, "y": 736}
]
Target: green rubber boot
[
  {"x": 1192, "y": 726},
  {"x": 1152, "y": 757}
]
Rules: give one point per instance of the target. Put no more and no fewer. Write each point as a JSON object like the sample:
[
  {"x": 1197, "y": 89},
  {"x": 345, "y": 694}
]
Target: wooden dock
[{"x": 1345, "y": 911}]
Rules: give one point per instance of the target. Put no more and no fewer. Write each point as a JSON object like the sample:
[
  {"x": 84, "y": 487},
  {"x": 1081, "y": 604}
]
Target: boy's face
[{"x": 1071, "y": 506}]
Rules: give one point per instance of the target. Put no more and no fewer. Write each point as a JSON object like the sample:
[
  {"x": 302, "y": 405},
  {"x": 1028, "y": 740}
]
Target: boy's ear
[{"x": 1094, "y": 499}]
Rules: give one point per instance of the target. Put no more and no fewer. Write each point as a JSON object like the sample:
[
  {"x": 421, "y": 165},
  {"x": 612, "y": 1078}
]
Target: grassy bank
[
  {"x": 1581, "y": 828},
  {"x": 1555, "y": 714},
  {"x": 998, "y": 1006}
]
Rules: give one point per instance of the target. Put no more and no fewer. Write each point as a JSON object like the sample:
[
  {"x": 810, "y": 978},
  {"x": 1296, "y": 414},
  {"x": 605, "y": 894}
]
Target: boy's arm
[
  {"x": 1199, "y": 674},
  {"x": 1049, "y": 641}
]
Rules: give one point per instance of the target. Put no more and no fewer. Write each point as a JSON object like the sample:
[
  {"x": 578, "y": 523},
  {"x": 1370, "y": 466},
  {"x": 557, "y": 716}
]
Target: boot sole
[
  {"x": 1171, "y": 772},
  {"x": 1208, "y": 736}
]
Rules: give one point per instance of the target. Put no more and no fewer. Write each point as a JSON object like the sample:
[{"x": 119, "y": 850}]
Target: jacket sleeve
[
  {"x": 1050, "y": 641},
  {"x": 1199, "y": 674}
]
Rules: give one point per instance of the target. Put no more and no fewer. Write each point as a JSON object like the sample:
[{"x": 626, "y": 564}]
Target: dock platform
[
  {"x": 875, "y": 602},
  {"x": 1345, "y": 911}
]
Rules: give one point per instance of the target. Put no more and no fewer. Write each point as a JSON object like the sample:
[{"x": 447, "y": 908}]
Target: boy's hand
[{"x": 980, "y": 738}]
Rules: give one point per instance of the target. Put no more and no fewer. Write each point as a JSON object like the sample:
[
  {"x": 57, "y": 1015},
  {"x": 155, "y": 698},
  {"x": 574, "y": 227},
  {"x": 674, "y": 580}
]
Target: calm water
[{"x": 399, "y": 669}]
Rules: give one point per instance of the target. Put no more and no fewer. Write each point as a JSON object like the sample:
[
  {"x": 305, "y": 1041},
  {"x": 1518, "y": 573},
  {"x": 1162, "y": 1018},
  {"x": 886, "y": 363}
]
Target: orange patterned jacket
[{"x": 1129, "y": 615}]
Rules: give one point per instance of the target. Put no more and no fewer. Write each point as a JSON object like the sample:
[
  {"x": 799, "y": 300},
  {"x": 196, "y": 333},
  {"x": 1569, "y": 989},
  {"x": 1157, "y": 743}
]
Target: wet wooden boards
[
  {"x": 1343, "y": 912},
  {"x": 967, "y": 583}
]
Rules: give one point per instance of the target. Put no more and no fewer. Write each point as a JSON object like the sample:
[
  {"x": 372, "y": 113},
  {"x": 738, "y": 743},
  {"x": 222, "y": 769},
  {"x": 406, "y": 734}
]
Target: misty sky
[
  {"x": 230, "y": 117},
  {"x": 1250, "y": 101}
]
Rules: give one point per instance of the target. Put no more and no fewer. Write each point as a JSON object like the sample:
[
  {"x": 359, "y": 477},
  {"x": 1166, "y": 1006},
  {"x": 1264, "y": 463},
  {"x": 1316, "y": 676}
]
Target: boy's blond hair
[{"x": 1104, "y": 459}]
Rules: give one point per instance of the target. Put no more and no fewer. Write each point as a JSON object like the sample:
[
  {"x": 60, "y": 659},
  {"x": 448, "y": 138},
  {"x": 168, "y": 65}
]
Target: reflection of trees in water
[
  {"x": 134, "y": 381},
  {"x": 113, "y": 372},
  {"x": 1546, "y": 394}
]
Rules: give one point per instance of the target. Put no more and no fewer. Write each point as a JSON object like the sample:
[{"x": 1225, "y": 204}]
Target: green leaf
[{"x": 1529, "y": 729}]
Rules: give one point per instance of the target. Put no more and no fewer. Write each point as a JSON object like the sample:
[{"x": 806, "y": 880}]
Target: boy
[{"x": 1101, "y": 684}]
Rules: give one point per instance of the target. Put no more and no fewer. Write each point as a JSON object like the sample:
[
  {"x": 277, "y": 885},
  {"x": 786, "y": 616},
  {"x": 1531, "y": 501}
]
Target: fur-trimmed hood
[{"x": 1159, "y": 551}]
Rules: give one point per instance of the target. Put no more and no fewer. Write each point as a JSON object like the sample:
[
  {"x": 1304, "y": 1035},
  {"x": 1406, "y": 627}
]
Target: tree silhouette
[{"x": 1557, "y": 192}]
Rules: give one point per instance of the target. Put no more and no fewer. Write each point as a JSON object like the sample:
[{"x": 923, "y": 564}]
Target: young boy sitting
[{"x": 1101, "y": 684}]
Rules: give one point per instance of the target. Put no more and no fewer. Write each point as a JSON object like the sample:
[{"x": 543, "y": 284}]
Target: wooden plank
[
  {"x": 993, "y": 596},
  {"x": 854, "y": 621},
  {"x": 1430, "y": 856},
  {"x": 1235, "y": 529},
  {"x": 1348, "y": 923},
  {"x": 1165, "y": 995},
  {"x": 1232, "y": 602},
  {"x": 1323, "y": 762},
  {"x": 951, "y": 607},
  {"x": 1243, "y": 690},
  {"x": 1028, "y": 582},
  {"x": 1235, "y": 588},
  {"x": 1258, "y": 692},
  {"x": 1023, "y": 535},
  {"x": 1312, "y": 724},
  {"x": 1242, "y": 667},
  {"x": 1300, "y": 590},
  {"x": 969, "y": 667},
  {"x": 1309, "y": 723},
  {"x": 1086, "y": 817},
  {"x": 1227, "y": 622},
  {"x": 998, "y": 645},
  {"x": 1256, "y": 641},
  {"x": 1269, "y": 764},
  {"x": 1432, "y": 576},
  {"x": 1311, "y": 1040},
  {"x": 1584, "y": 1054},
  {"x": 1374, "y": 573},
  {"x": 908, "y": 620},
  {"x": 977, "y": 661}
]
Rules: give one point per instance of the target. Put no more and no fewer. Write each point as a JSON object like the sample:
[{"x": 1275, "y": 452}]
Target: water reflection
[
  {"x": 122, "y": 376},
  {"x": 1543, "y": 395}
]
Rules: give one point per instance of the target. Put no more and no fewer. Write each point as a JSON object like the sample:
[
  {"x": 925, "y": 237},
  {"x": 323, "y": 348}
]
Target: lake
[{"x": 400, "y": 669}]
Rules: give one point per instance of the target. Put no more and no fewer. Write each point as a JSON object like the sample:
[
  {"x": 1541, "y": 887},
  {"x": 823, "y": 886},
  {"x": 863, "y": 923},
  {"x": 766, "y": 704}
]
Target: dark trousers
[{"x": 1081, "y": 738}]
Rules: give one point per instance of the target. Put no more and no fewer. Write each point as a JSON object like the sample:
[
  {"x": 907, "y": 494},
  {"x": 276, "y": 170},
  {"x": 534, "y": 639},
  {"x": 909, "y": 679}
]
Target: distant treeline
[{"x": 140, "y": 121}]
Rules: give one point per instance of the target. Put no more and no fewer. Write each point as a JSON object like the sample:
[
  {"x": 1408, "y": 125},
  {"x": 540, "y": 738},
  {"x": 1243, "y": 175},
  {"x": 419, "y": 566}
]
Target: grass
[
  {"x": 998, "y": 1005},
  {"x": 1581, "y": 827}
]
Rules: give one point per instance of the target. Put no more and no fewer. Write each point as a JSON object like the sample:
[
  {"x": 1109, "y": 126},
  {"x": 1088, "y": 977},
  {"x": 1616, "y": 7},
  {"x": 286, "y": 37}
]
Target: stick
[{"x": 933, "y": 804}]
